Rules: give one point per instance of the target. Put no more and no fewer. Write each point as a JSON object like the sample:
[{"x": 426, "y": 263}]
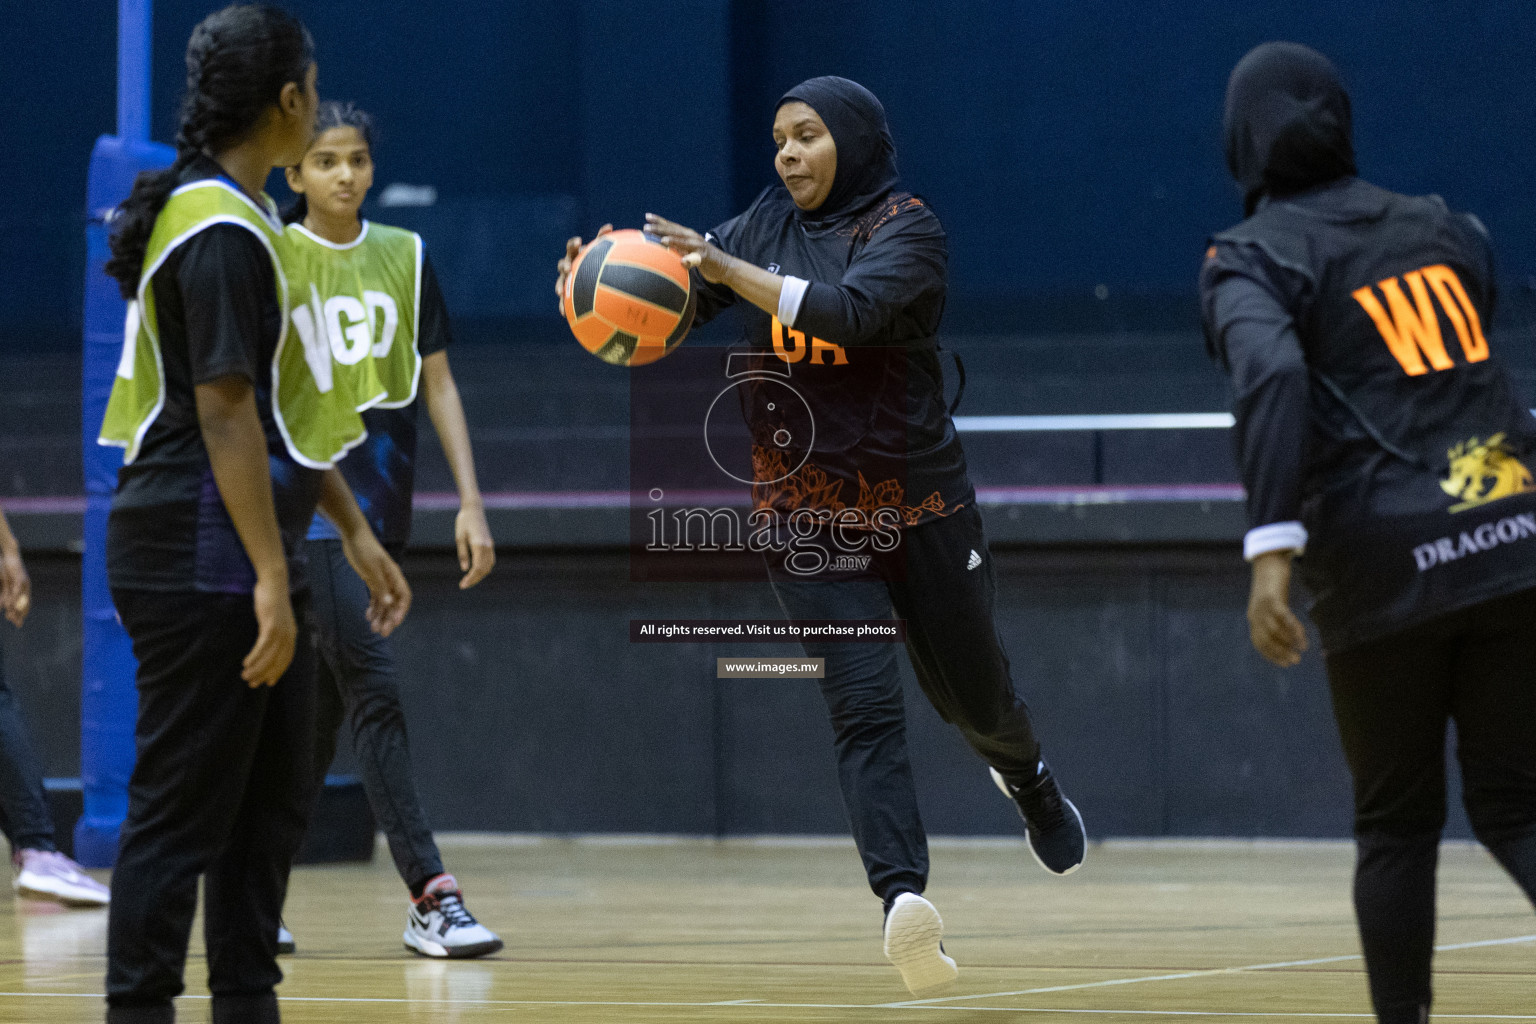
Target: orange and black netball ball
[{"x": 629, "y": 300}]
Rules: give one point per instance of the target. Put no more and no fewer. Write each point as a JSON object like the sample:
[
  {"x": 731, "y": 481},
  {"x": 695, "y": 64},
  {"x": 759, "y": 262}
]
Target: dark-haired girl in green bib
[{"x": 368, "y": 302}]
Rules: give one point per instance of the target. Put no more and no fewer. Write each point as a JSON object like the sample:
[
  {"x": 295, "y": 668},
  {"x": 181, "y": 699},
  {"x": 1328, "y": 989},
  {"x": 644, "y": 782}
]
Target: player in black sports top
[
  {"x": 1378, "y": 433},
  {"x": 843, "y": 273}
]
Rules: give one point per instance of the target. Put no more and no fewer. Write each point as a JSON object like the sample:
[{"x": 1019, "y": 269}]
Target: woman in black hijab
[
  {"x": 1378, "y": 433},
  {"x": 844, "y": 278}
]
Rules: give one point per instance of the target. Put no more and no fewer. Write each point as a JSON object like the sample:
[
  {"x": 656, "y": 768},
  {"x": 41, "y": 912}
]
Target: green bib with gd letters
[{"x": 360, "y": 302}]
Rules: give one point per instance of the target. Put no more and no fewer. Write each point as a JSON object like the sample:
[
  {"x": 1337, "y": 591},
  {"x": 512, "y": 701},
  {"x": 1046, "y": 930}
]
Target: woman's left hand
[
  {"x": 695, "y": 250},
  {"x": 1275, "y": 630}
]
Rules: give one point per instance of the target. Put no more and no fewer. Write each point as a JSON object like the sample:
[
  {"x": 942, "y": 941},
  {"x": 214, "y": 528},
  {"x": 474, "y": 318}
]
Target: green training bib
[
  {"x": 318, "y": 419},
  {"x": 360, "y": 303}
]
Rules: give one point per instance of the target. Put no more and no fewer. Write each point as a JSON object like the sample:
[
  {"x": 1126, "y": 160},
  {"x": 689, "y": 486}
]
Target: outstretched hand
[{"x": 694, "y": 248}]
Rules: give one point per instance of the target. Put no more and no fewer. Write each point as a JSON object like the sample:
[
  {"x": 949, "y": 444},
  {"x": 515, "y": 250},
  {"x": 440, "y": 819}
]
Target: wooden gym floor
[{"x": 694, "y": 930}]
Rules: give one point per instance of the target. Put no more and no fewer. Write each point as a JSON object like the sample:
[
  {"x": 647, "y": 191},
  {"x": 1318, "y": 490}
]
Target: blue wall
[
  {"x": 1065, "y": 145},
  {"x": 55, "y": 108},
  {"x": 1068, "y": 145}
]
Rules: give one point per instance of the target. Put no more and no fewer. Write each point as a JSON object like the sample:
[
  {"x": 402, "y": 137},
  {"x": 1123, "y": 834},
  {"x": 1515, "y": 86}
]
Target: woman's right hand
[
  {"x": 276, "y": 631},
  {"x": 572, "y": 249}
]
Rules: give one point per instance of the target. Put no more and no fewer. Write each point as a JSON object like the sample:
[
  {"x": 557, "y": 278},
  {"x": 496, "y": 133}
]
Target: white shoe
[
  {"x": 439, "y": 926},
  {"x": 48, "y": 875},
  {"x": 285, "y": 943},
  {"x": 913, "y": 942}
]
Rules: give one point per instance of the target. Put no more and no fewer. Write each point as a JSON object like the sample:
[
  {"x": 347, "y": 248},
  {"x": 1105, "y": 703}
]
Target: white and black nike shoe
[
  {"x": 914, "y": 935},
  {"x": 1053, "y": 828},
  {"x": 438, "y": 925}
]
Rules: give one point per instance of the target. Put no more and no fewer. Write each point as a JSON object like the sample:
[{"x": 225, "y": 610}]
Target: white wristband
[
  {"x": 1261, "y": 540},
  {"x": 790, "y": 297}
]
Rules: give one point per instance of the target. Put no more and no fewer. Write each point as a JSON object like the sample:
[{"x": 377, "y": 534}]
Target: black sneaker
[
  {"x": 1053, "y": 828},
  {"x": 285, "y": 944}
]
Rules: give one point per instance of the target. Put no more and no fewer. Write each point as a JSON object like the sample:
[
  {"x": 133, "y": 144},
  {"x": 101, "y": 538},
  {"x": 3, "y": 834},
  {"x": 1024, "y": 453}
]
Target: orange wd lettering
[{"x": 1412, "y": 332}]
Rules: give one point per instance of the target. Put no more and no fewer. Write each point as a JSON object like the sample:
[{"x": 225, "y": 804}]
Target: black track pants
[
  {"x": 1392, "y": 699},
  {"x": 221, "y": 789},
  {"x": 939, "y": 580}
]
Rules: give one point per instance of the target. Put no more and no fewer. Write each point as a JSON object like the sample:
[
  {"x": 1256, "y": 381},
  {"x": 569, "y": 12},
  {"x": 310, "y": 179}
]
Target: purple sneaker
[{"x": 47, "y": 875}]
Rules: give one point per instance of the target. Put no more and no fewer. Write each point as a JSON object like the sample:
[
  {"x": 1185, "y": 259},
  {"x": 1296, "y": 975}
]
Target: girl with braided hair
[{"x": 230, "y": 427}]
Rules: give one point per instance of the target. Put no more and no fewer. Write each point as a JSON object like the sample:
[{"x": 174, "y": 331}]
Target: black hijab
[
  {"x": 1286, "y": 122},
  {"x": 866, "y": 154}
]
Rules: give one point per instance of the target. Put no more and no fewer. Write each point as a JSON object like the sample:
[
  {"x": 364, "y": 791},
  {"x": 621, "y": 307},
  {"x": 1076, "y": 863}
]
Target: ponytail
[
  {"x": 238, "y": 61},
  {"x": 134, "y": 219}
]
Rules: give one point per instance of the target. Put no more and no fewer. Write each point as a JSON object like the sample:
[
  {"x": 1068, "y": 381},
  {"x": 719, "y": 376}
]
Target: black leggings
[
  {"x": 939, "y": 580},
  {"x": 1392, "y": 698},
  {"x": 356, "y": 683}
]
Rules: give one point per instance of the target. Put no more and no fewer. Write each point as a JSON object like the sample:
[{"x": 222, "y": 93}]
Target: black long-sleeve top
[
  {"x": 1247, "y": 300},
  {"x": 859, "y": 347},
  {"x": 1375, "y": 428}
]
